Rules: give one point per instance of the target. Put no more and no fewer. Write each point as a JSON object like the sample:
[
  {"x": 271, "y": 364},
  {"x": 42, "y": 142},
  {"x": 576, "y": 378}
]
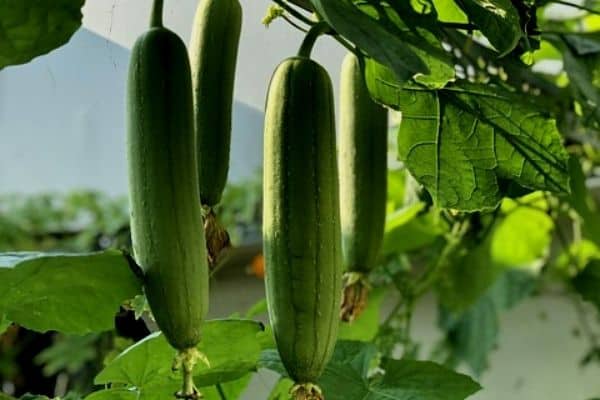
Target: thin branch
[
  {"x": 221, "y": 392},
  {"x": 432, "y": 273},
  {"x": 294, "y": 24},
  {"x": 345, "y": 43},
  {"x": 304, "y": 4},
  {"x": 296, "y": 14},
  {"x": 293, "y": 12}
]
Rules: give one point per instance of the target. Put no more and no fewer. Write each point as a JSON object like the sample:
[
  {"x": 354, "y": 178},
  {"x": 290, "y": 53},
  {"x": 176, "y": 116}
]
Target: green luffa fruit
[
  {"x": 363, "y": 181},
  {"x": 213, "y": 56},
  {"x": 166, "y": 219},
  {"x": 301, "y": 226}
]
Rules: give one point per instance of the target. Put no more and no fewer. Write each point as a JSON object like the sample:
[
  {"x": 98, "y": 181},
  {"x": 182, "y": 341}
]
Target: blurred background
[{"x": 63, "y": 182}]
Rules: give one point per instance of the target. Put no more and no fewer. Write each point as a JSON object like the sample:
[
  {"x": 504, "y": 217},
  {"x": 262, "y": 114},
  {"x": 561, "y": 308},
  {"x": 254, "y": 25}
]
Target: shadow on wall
[{"x": 62, "y": 122}]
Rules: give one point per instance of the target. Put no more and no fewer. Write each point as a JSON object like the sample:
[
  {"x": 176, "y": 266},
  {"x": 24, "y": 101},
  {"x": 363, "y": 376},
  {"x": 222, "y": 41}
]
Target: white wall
[
  {"x": 62, "y": 122},
  {"x": 261, "y": 49}
]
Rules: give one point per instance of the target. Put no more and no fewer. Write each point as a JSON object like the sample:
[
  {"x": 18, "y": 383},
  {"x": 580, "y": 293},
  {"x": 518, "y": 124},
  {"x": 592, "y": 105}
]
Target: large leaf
[
  {"x": 465, "y": 143},
  {"x": 518, "y": 241},
  {"x": 35, "y": 27},
  {"x": 583, "y": 202},
  {"x": 281, "y": 390},
  {"x": 4, "y": 324},
  {"x": 232, "y": 347},
  {"x": 406, "y": 380},
  {"x": 409, "y": 228},
  {"x": 164, "y": 390},
  {"x": 583, "y": 43},
  {"x": 581, "y": 59},
  {"x": 113, "y": 394},
  {"x": 498, "y": 20},
  {"x": 404, "y": 21},
  {"x": 472, "y": 334},
  {"x": 75, "y": 294},
  {"x": 522, "y": 239},
  {"x": 448, "y": 11},
  {"x": 381, "y": 43},
  {"x": 347, "y": 377}
]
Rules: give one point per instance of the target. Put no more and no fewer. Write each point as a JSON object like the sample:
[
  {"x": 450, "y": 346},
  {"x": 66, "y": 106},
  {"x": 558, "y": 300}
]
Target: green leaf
[
  {"x": 114, "y": 394},
  {"x": 583, "y": 43},
  {"x": 4, "y": 324},
  {"x": 583, "y": 202},
  {"x": 468, "y": 276},
  {"x": 587, "y": 283},
  {"x": 422, "y": 40},
  {"x": 415, "y": 22},
  {"x": 490, "y": 136},
  {"x": 281, "y": 391},
  {"x": 518, "y": 241},
  {"x": 69, "y": 354},
  {"x": 583, "y": 70},
  {"x": 366, "y": 326},
  {"x": 270, "y": 359},
  {"x": 498, "y": 20},
  {"x": 348, "y": 377},
  {"x": 231, "y": 390},
  {"x": 522, "y": 238},
  {"x": 396, "y": 188},
  {"x": 466, "y": 142},
  {"x": 511, "y": 288},
  {"x": 472, "y": 334},
  {"x": 76, "y": 294},
  {"x": 580, "y": 253},
  {"x": 259, "y": 308},
  {"x": 409, "y": 229},
  {"x": 35, "y": 27},
  {"x": 357, "y": 355},
  {"x": 372, "y": 36},
  {"x": 448, "y": 11},
  {"x": 231, "y": 346},
  {"x": 406, "y": 380}
]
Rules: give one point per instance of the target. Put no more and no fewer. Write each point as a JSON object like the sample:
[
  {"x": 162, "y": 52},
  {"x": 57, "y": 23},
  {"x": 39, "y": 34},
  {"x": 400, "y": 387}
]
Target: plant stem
[
  {"x": 156, "y": 20},
  {"x": 293, "y": 12},
  {"x": 346, "y": 44},
  {"x": 221, "y": 392},
  {"x": 294, "y": 24},
  {"x": 311, "y": 37},
  {"x": 431, "y": 275},
  {"x": 304, "y": 4}
]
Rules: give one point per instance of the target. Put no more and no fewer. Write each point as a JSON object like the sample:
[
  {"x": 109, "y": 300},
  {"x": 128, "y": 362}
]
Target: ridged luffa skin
[
  {"x": 166, "y": 220},
  {"x": 363, "y": 184},
  {"x": 213, "y": 55},
  {"x": 301, "y": 226},
  {"x": 363, "y": 169}
]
